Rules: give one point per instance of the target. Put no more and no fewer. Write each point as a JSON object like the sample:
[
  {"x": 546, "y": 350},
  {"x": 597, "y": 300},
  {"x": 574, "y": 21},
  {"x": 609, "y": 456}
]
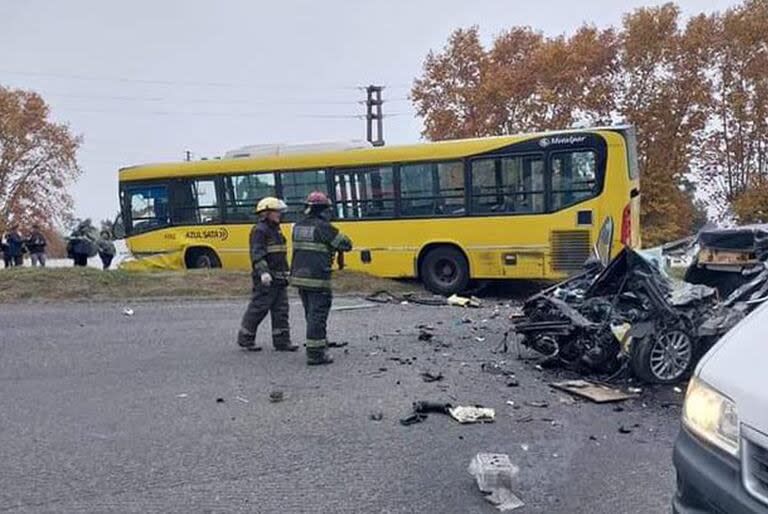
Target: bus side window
[
  {"x": 432, "y": 189},
  {"x": 243, "y": 192},
  {"x": 296, "y": 186},
  {"x": 365, "y": 193},
  {"x": 149, "y": 207},
  {"x": 574, "y": 177},
  {"x": 195, "y": 202}
]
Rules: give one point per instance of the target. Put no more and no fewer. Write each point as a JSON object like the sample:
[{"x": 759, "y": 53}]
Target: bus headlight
[{"x": 711, "y": 416}]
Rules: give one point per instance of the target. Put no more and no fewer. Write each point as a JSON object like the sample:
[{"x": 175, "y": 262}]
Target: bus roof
[{"x": 440, "y": 150}]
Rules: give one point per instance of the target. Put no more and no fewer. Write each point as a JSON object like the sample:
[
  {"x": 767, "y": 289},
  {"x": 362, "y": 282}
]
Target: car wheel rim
[{"x": 671, "y": 355}]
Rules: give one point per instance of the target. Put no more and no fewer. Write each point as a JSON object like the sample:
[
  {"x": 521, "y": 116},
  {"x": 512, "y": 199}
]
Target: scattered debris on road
[
  {"x": 429, "y": 376},
  {"x": 598, "y": 393},
  {"x": 537, "y": 404},
  {"x": 462, "y": 301},
  {"x": 472, "y": 414},
  {"x": 356, "y": 307},
  {"x": 128, "y": 312},
  {"x": 241, "y": 399},
  {"x": 219, "y": 400},
  {"x": 462, "y": 414},
  {"x": 406, "y": 298},
  {"x": 376, "y": 416},
  {"x": 494, "y": 473},
  {"x": 276, "y": 396}
]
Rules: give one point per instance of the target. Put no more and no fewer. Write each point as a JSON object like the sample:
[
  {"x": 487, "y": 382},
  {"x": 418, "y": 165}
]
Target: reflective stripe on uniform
[
  {"x": 277, "y": 248},
  {"x": 317, "y": 343},
  {"x": 281, "y": 274},
  {"x": 311, "y": 283},
  {"x": 310, "y": 247},
  {"x": 261, "y": 266},
  {"x": 338, "y": 240}
]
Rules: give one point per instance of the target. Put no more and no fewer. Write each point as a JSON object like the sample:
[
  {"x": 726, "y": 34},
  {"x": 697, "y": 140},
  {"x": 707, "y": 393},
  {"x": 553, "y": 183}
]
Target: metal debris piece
[
  {"x": 424, "y": 335},
  {"x": 128, "y": 312},
  {"x": 472, "y": 414},
  {"x": 241, "y": 399},
  {"x": 598, "y": 393},
  {"x": 537, "y": 404},
  {"x": 429, "y": 376},
  {"x": 356, "y": 307},
  {"x": 494, "y": 473},
  {"x": 276, "y": 396}
]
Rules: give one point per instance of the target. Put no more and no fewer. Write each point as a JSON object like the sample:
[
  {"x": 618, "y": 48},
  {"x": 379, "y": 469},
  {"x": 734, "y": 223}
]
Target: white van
[{"x": 721, "y": 453}]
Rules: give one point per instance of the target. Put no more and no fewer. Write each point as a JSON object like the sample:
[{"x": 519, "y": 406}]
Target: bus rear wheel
[
  {"x": 202, "y": 258},
  {"x": 445, "y": 270}
]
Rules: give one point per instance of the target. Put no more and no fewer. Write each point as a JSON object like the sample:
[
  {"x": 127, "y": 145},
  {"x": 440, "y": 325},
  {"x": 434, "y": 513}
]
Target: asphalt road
[{"x": 101, "y": 412}]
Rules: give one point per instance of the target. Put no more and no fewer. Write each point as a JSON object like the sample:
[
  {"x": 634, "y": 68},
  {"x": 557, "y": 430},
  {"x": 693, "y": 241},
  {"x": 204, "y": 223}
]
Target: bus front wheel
[
  {"x": 444, "y": 270},
  {"x": 202, "y": 258}
]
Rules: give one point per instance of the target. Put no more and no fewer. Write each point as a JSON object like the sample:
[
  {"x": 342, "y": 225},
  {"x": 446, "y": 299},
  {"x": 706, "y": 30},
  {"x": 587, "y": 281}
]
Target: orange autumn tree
[
  {"x": 37, "y": 162},
  {"x": 735, "y": 161},
  {"x": 665, "y": 93}
]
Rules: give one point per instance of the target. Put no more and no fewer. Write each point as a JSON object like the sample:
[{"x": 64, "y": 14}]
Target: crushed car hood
[{"x": 734, "y": 366}]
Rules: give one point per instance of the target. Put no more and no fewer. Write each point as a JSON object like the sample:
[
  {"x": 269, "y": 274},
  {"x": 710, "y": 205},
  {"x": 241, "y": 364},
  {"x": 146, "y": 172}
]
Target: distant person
[
  {"x": 4, "y": 251},
  {"x": 107, "y": 249},
  {"x": 36, "y": 246},
  {"x": 15, "y": 247},
  {"x": 83, "y": 243}
]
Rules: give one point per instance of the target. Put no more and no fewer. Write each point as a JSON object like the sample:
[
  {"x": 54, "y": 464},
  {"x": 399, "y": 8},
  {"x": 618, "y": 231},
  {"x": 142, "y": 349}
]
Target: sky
[{"x": 148, "y": 80}]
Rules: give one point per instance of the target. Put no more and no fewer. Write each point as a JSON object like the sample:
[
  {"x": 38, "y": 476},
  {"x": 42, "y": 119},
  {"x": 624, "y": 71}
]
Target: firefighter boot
[{"x": 318, "y": 356}]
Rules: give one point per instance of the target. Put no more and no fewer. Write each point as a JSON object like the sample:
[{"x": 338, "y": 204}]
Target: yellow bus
[{"x": 529, "y": 206}]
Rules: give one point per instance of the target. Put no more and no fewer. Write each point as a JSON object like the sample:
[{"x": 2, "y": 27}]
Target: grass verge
[{"x": 35, "y": 284}]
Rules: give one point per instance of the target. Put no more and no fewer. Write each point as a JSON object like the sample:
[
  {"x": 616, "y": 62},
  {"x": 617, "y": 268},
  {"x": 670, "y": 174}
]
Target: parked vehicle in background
[
  {"x": 525, "y": 206},
  {"x": 721, "y": 453}
]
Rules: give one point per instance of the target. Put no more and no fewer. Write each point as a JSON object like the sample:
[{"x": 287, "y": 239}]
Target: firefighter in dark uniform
[
  {"x": 270, "y": 272},
  {"x": 315, "y": 243}
]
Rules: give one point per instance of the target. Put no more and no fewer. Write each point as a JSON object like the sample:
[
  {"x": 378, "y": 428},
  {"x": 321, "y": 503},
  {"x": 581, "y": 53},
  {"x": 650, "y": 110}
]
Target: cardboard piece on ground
[{"x": 598, "y": 393}]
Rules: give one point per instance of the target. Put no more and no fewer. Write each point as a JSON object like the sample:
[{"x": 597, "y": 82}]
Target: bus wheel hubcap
[{"x": 446, "y": 270}]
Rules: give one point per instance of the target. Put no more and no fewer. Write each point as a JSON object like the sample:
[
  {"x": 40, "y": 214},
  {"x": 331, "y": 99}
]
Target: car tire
[
  {"x": 444, "y": 270},
  {"x": 648, "y": 356}
]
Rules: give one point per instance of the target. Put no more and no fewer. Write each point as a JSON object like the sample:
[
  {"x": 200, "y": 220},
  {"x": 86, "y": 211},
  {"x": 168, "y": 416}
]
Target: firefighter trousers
[
  {"x": 272, "y": 300},
  {"x": 317, "y": 307}
]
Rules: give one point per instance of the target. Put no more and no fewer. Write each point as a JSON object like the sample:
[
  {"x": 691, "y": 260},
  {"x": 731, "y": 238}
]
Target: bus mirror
[
  {"x": 118, "y": 228},
  {"x": 604, "y": 242}
]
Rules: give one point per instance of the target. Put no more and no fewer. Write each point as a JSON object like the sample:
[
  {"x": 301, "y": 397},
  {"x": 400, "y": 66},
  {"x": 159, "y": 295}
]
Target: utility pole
[
  {"x": 188, "y": 155},
  {"x": 373, "y": 105}
]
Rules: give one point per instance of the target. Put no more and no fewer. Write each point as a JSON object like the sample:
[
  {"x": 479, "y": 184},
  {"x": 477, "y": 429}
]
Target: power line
[
  {"x": 226, "y": 114},
  {"x": 127, "y": 98},
  {"x": 169, "y": 82}
]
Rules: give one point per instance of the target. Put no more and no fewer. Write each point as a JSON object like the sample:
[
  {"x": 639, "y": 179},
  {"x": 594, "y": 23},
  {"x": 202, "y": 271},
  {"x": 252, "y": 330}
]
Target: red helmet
[{"x": 318, "y": 198}]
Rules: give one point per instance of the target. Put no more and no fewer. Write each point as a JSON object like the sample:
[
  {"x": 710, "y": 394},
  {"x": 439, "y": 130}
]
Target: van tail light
[{"x": 626, "y": 226}]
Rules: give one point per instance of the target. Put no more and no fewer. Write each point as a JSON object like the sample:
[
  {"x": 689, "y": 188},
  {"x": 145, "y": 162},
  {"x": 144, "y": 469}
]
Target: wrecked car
[
  {"x": 727, "y": 258},
  {"x": 626, "y": 314}
]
